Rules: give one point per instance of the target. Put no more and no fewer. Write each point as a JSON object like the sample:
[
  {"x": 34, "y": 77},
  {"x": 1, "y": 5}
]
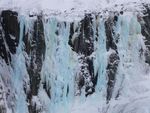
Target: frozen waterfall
[{"x": 98, "y": 64}]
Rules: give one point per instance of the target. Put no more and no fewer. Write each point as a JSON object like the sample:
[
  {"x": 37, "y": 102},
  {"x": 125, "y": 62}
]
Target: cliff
[{"x": 48, "y": 65}]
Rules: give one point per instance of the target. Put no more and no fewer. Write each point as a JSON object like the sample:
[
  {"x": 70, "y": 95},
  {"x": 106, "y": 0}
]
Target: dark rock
[
  {"x": 146, "y": 32},
  {"x": 110, "y": 42},
  {"x": 113, "y": 58},
  {"x": 10, "y": 24},
  {"x": 36, "y": 51},
  {"x": 9, "y": 34},
  {"x": 84, "y": 44},
  {"x": 111, "y": 73}
]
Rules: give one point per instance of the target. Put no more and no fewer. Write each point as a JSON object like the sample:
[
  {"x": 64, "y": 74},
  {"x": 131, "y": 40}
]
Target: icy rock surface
[{"x": 99, "y": 64}]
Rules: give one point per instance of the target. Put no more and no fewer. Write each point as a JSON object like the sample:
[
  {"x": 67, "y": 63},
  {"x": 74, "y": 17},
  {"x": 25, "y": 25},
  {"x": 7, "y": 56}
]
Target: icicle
[{"x": 101, "y": 58}]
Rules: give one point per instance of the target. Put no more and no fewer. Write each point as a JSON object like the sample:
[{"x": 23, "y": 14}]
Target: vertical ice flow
[
  {"x": 58, "y": 68},
  {"x": 20, "y": 72}
]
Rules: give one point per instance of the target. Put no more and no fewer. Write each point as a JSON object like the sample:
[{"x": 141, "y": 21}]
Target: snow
[{"x": 69, "y": 7}]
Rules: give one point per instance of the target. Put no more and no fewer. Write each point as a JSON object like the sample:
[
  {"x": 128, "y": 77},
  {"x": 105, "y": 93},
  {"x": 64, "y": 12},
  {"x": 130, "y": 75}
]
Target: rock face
[
  {"x": 145, "y": 31},
  {"x": 9, "y": 34},
  {"x": 36, "y": 51},
  {"x": 54, "y": 62},
  {"x": 84, "y": 44}
]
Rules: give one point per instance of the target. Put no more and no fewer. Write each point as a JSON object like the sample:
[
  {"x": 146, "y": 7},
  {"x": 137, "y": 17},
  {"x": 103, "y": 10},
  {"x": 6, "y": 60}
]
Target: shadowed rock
[
  {"x": 9, "y": 34},
  {"x": 113, "y": 60},
  {"x": 146, "y": 32},
  {"x": 35, "y": 49},
  {"x": 83, "y": 44}
]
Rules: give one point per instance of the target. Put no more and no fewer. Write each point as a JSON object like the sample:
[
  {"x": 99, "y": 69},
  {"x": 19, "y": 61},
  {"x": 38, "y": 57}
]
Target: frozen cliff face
[{"x": 97, "y": 64}]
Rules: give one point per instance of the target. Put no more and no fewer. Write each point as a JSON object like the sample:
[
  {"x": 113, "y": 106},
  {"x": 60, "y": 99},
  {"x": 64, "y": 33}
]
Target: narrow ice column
[
  {"x": 100, "y": 62},
  {"x": 18, "y": 63}
]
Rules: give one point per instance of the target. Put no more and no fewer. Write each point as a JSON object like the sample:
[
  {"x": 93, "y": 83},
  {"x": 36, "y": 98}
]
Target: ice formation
[{"x": 97, "y": 64}]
